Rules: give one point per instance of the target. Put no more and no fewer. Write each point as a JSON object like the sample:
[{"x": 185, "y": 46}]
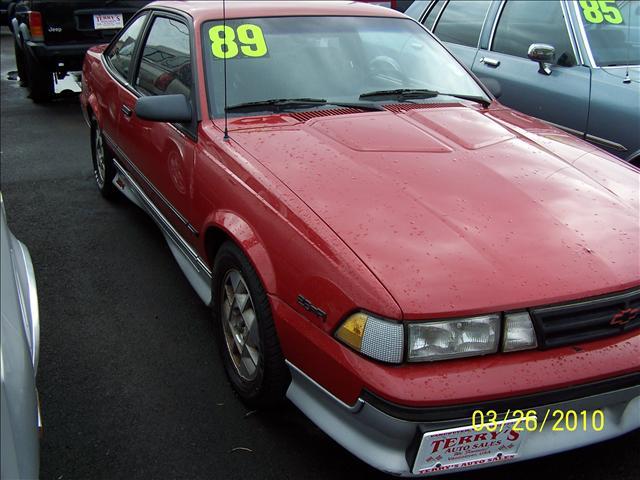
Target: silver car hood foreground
[{"x": 19, "y": 338}]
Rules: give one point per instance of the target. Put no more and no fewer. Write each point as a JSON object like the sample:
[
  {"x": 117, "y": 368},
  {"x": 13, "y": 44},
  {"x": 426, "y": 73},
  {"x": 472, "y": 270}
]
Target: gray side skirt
[{"x": 191, "y": 264}]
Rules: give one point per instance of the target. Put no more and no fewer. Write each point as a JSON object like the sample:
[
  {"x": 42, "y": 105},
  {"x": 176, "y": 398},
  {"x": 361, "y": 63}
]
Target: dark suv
[{"x": 51, "y": 38}]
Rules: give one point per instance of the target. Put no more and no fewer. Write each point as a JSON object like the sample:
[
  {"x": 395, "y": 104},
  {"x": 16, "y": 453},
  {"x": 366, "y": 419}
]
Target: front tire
[
  {"x": 247, "y": 337},
  {"x": 103, "y": 168}
]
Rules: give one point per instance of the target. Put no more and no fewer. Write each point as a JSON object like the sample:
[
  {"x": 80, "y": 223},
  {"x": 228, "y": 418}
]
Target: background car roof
[{"x": 200, "y": 10}]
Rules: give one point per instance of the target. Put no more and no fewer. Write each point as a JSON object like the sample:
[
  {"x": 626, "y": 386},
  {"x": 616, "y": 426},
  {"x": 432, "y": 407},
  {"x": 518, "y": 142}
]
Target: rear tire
[
  {"x": 104, "y": 170},
  {"x": 247, "y": 337},
  {"x": 40, "y": 80},
  {"x": 20, "y": 64}
]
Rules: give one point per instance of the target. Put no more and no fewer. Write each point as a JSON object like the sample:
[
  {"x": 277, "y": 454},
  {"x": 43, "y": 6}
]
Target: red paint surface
[{"x": 418, "y": 214}]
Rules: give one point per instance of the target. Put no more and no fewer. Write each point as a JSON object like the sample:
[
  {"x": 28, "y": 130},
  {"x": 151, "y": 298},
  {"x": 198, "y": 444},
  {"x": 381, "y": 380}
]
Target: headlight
[
  {"x": 384, "y": 340},
  {"x": 374, "y": 337},
  {"x": 518, "y": 332},
  {"x": 453, "y": 338}
]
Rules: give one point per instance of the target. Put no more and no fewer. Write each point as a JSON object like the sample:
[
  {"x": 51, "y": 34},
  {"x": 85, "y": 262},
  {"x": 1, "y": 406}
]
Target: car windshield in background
[
  {"x": 613, "y": 31},
  {"x": 335, "y": 59}
]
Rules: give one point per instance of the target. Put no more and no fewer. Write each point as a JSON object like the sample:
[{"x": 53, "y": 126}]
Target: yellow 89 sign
[
  {"x": 599, "y": 11},
  {"x": 246, "y": 39}
]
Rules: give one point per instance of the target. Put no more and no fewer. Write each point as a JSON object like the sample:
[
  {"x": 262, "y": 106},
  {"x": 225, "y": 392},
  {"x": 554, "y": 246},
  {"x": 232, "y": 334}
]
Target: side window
[
  {"x": 121, "y": 53},
  {"x": 461, "y": 22},
  {"x": 433, "y": 14},
  {"x": 165, "y": 66},
  {"x": 524, "y": 23},
  {"x": 416, "y": 9}
]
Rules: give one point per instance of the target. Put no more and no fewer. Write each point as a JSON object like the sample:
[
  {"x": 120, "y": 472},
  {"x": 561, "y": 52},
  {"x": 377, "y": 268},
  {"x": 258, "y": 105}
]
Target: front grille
[{"x": 587, "y": 320}]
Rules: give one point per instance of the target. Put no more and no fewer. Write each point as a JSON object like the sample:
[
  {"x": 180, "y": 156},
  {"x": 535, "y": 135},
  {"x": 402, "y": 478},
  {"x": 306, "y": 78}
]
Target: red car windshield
[{"x": 332, "y": 58}]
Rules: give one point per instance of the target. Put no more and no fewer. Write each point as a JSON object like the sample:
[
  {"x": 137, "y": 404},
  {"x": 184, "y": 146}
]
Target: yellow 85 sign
[{"x": 599, "y": 11}]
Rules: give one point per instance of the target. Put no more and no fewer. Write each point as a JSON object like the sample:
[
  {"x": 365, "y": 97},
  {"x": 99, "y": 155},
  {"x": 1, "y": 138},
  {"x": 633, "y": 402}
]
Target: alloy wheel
[
  {"x": 100, "y": 170},
  {"x": 240, "y": 325}
]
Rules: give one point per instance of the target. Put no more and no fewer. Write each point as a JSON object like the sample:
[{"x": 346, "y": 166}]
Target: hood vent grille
[
  {"x": 404, "y": 107},
  {"x": 306, "y": 116},
  {"x": 395, "y": 108}
]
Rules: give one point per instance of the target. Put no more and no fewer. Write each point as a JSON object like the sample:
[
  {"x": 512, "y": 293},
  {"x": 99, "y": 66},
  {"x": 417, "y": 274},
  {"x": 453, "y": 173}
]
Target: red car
[{"x": 437, "y": 281}]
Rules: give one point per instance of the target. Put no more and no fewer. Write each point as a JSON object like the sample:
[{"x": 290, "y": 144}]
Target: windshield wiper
[
  {"x": 288, "y": 103},
  {"x": 410, "y": 93},
  {"x": 472, "y": 98},
  {"x": 401, "y": 93},
  {"x": 277, "y": 104}
]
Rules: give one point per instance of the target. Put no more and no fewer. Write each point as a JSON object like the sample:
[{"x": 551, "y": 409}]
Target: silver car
[{"x": 20, "y": 337}]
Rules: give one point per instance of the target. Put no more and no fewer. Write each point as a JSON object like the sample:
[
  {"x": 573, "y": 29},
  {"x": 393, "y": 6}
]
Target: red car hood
[{"x": 458, "y": 210}]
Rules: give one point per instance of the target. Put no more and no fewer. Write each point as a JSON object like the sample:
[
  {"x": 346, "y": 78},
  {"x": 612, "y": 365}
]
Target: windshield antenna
[
  {"x": 224, "y": 60},
  {"x": 627, "y": 78}
]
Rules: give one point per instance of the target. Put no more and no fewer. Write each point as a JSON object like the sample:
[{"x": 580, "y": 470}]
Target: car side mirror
[
  {"x": 164, "y": 108},
  {"x": 543, "y": 54},
  {"x": 492, "y": 85}
]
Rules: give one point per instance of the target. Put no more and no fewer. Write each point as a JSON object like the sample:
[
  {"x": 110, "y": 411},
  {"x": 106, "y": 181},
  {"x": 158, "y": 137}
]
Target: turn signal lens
[
  {"x": 374, "y": 337},
  {"x": 352, "y": 330},
  {"x": 35, "y": 26},
  {"x": 519, "y": 333}
]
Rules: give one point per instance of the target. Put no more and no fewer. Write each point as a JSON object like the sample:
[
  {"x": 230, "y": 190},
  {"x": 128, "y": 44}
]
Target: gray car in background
[
  {"x": 19, "y": 340},
  {"x": 575, "y": 64}
]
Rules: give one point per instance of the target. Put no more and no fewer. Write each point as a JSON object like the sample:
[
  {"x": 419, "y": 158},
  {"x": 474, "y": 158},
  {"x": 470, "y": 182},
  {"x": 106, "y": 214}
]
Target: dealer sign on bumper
[
  {"x": 465, "y": 447},
  {"x": 110, "y": 21}
]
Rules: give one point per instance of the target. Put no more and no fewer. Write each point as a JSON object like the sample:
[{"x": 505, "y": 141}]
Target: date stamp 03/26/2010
[{"x": 531, "y": 421}]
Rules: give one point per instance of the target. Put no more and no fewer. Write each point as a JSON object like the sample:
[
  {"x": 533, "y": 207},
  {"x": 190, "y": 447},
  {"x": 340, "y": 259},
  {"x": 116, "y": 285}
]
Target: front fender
[{"x": 240, "y": 232}]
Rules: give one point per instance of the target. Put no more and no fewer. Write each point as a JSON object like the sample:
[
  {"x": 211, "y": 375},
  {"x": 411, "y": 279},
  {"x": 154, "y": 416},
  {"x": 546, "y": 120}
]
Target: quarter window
[
  {"x": 165, "y": 66},
  {"x": 121, "y": 53},
  {"x": 524, "y": 23},
  {"x": 461, "y": 22}
]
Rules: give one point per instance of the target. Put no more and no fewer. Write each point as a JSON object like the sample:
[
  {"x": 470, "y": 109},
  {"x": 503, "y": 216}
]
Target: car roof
[{"x": 201, "y": 10}]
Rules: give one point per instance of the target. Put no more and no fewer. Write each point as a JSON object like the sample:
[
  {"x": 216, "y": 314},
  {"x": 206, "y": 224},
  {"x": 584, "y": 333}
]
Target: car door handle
[
  {"x": 126, "y": 110},
  {"x": 490, "y": 62}
]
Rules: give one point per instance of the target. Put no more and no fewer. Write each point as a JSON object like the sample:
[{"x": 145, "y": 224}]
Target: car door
[
  {"x": 162, "y": 154},
  {"x": 113, "y": 84},
  {"x": 611, "y": 31},
  {"x": 561, "y": 97},
  {"x": 458, "y": 23}
]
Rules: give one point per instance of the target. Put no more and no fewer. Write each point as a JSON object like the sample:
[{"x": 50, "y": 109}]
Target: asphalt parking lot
[{"x": 129, "y": 378}]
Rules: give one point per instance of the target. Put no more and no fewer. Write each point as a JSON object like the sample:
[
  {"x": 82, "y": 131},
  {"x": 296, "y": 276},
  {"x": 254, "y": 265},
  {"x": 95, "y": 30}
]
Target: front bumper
[{"x": 388, "y": 443}]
